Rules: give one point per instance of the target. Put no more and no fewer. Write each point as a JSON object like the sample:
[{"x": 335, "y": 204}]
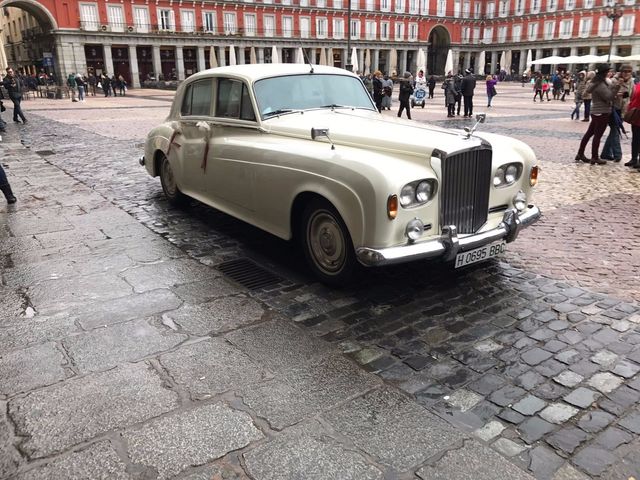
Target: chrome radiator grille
[{"x": 465, "y": 189}]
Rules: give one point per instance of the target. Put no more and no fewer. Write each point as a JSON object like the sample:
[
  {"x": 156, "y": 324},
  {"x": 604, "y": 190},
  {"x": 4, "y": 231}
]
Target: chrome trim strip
[{"x": 449, "y": 244}]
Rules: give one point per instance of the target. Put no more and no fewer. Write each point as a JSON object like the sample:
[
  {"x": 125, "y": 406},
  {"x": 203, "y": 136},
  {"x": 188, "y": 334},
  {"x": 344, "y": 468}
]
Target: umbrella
[
  {"x": 274, "y": 55},
  {"x": 448, "y": 65},
  {"x": 507, "y": 64},
  {"x": 252, "y": 55},
  {"x": 213, "y": 61},
  {"x": 630, "y": 58},
  {"x": 393, "y": 60},
  {"x": 323, "y": 57},
  {"x": 354, "y": 60},
  {"x": 528, "y": 64},
  {"x": 481, "y": 63},
  {"x": 610, "y": 58},
  {"x": 503, "y": 60},
  {"x": 421, "y": 62},
  {"x": 330, "y": 56},
  {"x": 299, "y": 55},
  {"x": 232, "y": 55},
  {"x": 367, "y": 61},
  {"x": 552, "y": 60}
]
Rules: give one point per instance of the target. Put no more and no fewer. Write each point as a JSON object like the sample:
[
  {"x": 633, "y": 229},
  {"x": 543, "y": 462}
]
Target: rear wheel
[
  {"x": 327, "y": 244},
  {"x": 169, "y": 184}
]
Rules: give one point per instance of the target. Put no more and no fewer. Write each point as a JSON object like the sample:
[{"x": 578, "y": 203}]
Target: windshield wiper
[
  {"x": 333, "y": 105},
  {"x": 280, "y": 112}
]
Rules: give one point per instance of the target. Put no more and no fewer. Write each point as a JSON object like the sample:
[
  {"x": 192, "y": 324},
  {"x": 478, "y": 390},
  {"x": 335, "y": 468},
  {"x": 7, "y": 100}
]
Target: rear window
[{"x": 197, "y": 99}]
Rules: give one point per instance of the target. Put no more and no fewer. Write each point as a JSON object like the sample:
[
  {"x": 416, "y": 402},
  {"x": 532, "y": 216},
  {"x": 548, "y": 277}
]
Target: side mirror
[
  {"x": 481, "y": 117},
  {"x": 319, "y": 132}
]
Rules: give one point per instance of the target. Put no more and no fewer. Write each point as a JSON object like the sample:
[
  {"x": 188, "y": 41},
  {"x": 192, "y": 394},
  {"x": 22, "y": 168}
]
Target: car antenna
[{"x": 306, "y": 57}]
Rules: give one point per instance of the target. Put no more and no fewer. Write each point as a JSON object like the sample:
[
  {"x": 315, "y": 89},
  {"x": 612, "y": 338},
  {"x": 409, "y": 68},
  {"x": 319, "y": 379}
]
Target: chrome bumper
[
  {"x": 141, "y": 161},
  {"x": 449, "y": 244}
]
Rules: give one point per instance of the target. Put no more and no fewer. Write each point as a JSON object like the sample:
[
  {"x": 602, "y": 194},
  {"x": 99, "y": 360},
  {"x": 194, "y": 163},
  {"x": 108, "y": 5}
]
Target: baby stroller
[{"x": 419, "y": 96}]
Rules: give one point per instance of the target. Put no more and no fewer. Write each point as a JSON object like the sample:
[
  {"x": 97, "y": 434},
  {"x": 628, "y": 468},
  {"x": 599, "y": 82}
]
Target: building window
[
  {"x": 250, "y": 24},
  {"x": 535, "y": 6},
  {"x": 371, "y": 30},
  {"x": 355, "y": 29},
  {"x": 369, "y": 5},
  {"x": 626, "y": 24},
  {"x": 424, "y": 7},
  {"x": 399, "y": 31},
  {"x": 569, "y": 4},
  {"x": 503, "y": 8},
  {"x": 491, "y": 10},
  {"x": 488, "y": 35},
  {"x": 477, "y": 10},
  {"x": 321, "y": 27},
  {"x": 532, "y": 31},
  {"x": 166, "y": 19},
  {"x": 457, "y": 7},
  {"x": 337, "y": 4},
  {"x": 141, "y": 19},
  {"x": 585, "y": 27},
  {"x": 116, "y": 18},
  {"x": 209, "y": 22},
  {"x": 476, "y": 35},
  {"x": 384, "y": 30},
  {"x": 466, "y": 34},
  {"x": 413, "y": 32},
  {"x": 604, "y": 27},
  {"x": 552, "y": 5},
  {"x": 629, "y": 2},
  {"x": 399, "y": 6},
  {"x": 566, "y": 28},
  {"x": 520, "y": 7},
  {"x": 269, "y": 22},
  {"x": 466, "y": 9},
  {"x": 516, "y": 33},
  {"x": 188, "y": 20},
  {"x": 588, "y": 3},
  {"x": 304, "y": 3},
  {"x": 442, "y": 8},
  {"x": 305, "y": 27},
  {"x": 414, "y": 7},
  {"x": 321, "y": 3},
  {"x": 89, "y": 19},
  {"x": 502, "y": 34},
  {"x": 230, "y": 25},
  {"x": 338, "y": 28},
  {"x": 549, "y": 28},
  {"x": 355, "y": 4},
  {"x": 285, "y": 2},
  {"x": 287, "y": 26},
  {"x": 267, "y": 1}
]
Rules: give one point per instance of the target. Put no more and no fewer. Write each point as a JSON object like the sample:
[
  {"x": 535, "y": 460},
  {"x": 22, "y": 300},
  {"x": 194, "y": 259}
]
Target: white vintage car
[{"x": 301, "y": 151}]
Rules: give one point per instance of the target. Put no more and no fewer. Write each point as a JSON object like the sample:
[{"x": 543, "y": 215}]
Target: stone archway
[
  {"x": 44, "y": 17},
  {"x": 439, "y": 44}
]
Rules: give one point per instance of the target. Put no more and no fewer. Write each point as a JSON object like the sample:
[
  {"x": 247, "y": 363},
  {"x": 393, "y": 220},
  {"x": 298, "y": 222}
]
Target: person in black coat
[
  {"x": 406, "y": 90},
  {"x": 431, "y": 84},
  {"x": 14, "y": 88},
  {"x": 468, "y": 86},
  {"x": 377, "y": 89}
]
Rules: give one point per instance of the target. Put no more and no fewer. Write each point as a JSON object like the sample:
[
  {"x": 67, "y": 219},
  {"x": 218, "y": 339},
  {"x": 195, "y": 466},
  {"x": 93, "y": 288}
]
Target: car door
[
  {"x": 232, "y": 178},
  {"x": 197, "y": 105}
]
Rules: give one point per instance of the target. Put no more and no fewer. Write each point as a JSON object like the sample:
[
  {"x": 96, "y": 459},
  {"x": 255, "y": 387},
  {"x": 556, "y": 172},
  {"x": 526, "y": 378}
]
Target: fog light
[
  {"x": 520, "y": 201},
  {"x": 414, "y": 229}
]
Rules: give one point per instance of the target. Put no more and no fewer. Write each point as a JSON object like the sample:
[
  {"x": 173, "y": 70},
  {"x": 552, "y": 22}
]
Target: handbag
[
  {"x": 493, "y": 91},
  {"x": 632, "y": 115}
]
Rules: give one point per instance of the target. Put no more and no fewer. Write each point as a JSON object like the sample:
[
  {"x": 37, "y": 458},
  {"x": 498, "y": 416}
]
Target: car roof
[{"x": 256, "y": 71}]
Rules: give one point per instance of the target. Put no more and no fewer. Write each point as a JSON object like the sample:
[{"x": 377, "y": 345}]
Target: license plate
[{"x": 480, "y": 254}]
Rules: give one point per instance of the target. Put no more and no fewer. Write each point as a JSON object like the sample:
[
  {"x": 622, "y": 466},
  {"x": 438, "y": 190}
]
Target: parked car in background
[{"x": 301, "y": 151}]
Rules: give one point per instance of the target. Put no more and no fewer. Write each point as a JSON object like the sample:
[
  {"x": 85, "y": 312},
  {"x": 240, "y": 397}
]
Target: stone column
[
  {"x": 375, "y": 60},
  {"x": 455, "y": 54},
  {"x": 180, "y": 63},
  {"x": 201, "y": 60},
  {"x": 494, "y": 62},
  {"x": 222, "y": 57},
  {"x": 345, "y": 57},
  {"x": 523, "y": 61},
  {"x": 554, "y": 51},
  {"x": 79, "y": 58},
  {"x": 242, "y": 59},
  {"x": 157, "y": 63},
  {"x": 108, "y": 60},
  {"x": 402, "y": 62},
  {"x": 133, "y": 65},
  {"x": 467, "y": 62},
  {"x": 260, "y": 54}
]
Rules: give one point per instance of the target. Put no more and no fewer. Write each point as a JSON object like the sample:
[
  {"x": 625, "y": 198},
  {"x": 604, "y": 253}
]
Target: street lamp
[
  {"x": 349, "y": 65},
  {"x": 613, "y": 13}
]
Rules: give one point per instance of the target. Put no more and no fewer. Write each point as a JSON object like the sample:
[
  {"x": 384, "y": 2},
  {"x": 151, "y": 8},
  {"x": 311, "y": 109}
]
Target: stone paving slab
[
  {"x": 28, "y": 369},
  {"x": 167, "y": 274},
  {"x": 190, "y": 438},
  {"x": 9, "y": 456},
  {"x": 60, "y": 416}
]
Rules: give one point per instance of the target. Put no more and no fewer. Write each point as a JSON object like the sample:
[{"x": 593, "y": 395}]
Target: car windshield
[{"x": 291, "y": 93}]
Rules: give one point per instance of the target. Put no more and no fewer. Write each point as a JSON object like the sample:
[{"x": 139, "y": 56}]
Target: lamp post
[
  {"x": 349, "y": 65},
  {"x": 613, "y": 13}
]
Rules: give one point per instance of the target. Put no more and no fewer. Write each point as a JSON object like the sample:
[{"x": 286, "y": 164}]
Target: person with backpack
[
  {"x": 406, "y": 90},
  {"x": 71, "y": 83}
]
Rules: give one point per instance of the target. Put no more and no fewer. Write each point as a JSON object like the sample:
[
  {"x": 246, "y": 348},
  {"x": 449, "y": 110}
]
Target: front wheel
[
  {"x": 327, "y": 244},
  {"x": 169, "y": 184}
]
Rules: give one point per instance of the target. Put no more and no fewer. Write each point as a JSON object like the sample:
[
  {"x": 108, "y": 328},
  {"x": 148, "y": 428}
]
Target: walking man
[
  {"x": 467, "y": 87},
  {"x": 14, "y": 88}
]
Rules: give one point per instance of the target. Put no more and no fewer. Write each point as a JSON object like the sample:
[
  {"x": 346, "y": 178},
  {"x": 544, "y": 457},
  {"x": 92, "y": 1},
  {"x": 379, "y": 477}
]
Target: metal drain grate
[
  {"x": 248, "y": 273},
  {"x": 45, "y": 153}
]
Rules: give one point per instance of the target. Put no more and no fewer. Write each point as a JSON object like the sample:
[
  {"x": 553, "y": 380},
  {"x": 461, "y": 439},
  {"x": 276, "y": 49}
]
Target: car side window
[
  {"x": 233, "y": 100},
  {"x": 197, "y": 99}
]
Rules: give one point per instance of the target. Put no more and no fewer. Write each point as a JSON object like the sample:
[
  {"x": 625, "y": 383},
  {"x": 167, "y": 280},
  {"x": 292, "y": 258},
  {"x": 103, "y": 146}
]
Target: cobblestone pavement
[{"x": 536, "y": 356}]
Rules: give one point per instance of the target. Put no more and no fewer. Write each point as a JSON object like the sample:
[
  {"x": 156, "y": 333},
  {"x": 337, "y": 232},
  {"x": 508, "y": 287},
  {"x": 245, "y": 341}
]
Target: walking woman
[
  {"x": 491, "y": 89},
  {"x": 537, "y": 87},
  {"x": 601, "y": 100},
  {"x": 635, "y": 130}
]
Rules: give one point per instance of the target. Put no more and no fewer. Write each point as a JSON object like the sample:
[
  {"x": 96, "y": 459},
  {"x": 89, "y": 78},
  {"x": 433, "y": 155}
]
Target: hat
[
  {"x": 603, "y": 68},
  {"x": 406, "y": 74},
  {"x": 467, "y": 71}
]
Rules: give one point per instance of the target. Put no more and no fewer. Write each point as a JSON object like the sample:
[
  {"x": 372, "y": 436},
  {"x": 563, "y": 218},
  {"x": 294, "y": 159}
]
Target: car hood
[{"x": 362, "y": 128}]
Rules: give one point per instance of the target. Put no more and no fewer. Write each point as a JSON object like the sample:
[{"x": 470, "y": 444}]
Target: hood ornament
[{"x": 480, "y": 118}]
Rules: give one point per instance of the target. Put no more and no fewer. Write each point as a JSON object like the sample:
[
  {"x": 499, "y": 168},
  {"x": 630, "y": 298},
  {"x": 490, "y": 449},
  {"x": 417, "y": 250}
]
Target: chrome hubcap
[{"x": 326, "y": 241}]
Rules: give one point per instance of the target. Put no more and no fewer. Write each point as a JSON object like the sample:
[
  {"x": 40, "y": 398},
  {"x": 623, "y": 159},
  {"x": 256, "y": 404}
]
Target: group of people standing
[
  {"x": 87, "y": 84},
  {"x": 459, "y": 90}
]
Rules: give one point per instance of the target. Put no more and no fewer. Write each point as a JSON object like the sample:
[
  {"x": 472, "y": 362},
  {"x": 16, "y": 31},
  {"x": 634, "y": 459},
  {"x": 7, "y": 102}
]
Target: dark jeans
[
  {"x": 537, "y": 92},
  {"x": 587, "y": 108},
  {"x": 17, "y": 111},
  {"x": 458, "y": 103},
  {"x": 468, "y": 105},
  {"x": 596, "y": 129},
  {"x": 431, "y": 92},
  {"x": 404, "y": 105},
  {"x": 612, "y": 149},
  {"x": 3, "y": 177},
  {"x": 635, "y": 144},
  {"x": 451, "y": 109}
]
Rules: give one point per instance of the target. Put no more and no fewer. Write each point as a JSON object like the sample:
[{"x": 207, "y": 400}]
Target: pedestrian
[
  {"x": 586, "y": 96},
  {"x": 71, "y": 84},
  {"x": 537, "y": 86},
  {"x": 546, "y": 86},
  {"x": 467, "y": 88},
  {"x": 449, "y": 95},
  {"x": 624, "y": 86},
  {"x": 122, "y": 84},
  {"x": 81, "y": 86},
  {"x": 566, "y": 86},
  {"x": 491, "y": 89},
  {"x": 5, "y": 187},
  {"x": 92, "y": 81},
  {"x": 368, "y": 83},
  {"x": 556, "y": 84},
  {"x": 431, "y": 84},
  {"x": 387, "y": 91},
  {"x": 579, "y": 92},
  {"x": 105, "y": 84},
  {"x": 14, "y": 87},
  {"x": 457, "y": 84},
  {"x": 114, "y": 85},
  {"x": 635, "y": 130},
  {"x": 602, "y": 95},
  {"x": 377, "y": 89},
  {"x": 406, "y": 90}
]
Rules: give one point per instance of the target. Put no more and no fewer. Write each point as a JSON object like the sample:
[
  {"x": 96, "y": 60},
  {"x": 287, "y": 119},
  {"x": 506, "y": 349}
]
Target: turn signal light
[
  {"x": 392, "y": 207},
  {"x": 533, "y": 176}
]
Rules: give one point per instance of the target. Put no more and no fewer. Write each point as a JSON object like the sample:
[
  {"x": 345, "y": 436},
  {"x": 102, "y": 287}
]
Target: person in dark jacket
[
  {"x": 406, "y": 90},
  {"x": 431, "y": 84},
  {"x": 106, "y": 84},
  {"x": 377, "y": 89},
  {"x": 467, "y": 87},
  {"x": 5, "y": 187},
  {"x": 14, "y": 87},
  {"x": 457, "y": 86}
]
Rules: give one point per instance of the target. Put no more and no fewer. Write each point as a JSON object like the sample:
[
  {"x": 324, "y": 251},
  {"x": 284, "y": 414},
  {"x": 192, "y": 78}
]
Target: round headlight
[
  {"x": 423, "y": 192},
  {"x": 407, "y": 194},
  {"x": 414, "y": 229},
  {"x": 498, "y": 179},
  {"x": 511, "y": 174}
]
